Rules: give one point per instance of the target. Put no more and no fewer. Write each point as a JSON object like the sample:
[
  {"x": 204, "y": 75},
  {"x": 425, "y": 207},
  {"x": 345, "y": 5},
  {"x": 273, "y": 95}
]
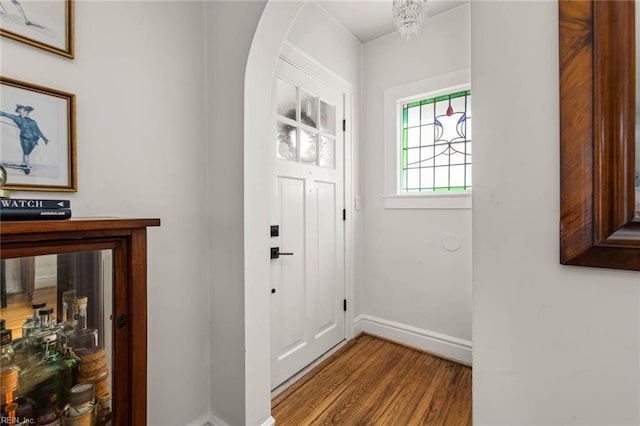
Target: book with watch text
[{"x": 28, "y": 203}]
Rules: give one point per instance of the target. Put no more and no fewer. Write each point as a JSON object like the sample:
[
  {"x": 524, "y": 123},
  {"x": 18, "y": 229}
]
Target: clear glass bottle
[
  {"x": 33, "y": 323},
  {"x": 45, "y": 328},
  {"x": 83, "y": 337},
  {"x": 13, "y": 406},
  {"x": 69, "y": 311},
  {"x": 53, "y": 369},
  {"x": 7, "y": 353}
]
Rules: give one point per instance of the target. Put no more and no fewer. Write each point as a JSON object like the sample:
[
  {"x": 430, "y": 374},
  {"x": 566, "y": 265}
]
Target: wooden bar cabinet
[{"x": 104, "y": 261}]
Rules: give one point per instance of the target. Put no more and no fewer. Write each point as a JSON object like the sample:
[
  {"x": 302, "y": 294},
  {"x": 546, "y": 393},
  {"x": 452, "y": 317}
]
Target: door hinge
[
  {"x": 344, "y": 214},
  {"x": 344, "y": 125},
  {"x": 344, "y": 304}
]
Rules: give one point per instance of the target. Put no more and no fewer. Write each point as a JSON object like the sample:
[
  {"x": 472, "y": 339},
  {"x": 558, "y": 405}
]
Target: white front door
[{"x": 307, "y": 280}]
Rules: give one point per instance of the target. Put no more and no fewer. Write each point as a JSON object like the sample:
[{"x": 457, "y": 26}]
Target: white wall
[
  {"x": 553, "y": 345},
  {"x": 408, "y": 277},
  {"x": 229, "y": 31},
  {"x": 138, "y": 77}
]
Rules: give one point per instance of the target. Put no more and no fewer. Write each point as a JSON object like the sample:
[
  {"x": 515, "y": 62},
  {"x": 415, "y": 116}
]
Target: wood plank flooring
[{"x": 376, "y": 382}]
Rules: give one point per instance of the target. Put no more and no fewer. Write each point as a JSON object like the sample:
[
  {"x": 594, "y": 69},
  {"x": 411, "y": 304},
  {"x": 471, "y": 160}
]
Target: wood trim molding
[{"x": 598, "y": 226}]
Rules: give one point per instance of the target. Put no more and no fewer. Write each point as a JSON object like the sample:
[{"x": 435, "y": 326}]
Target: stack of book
[{"x": 31, "y": 209}]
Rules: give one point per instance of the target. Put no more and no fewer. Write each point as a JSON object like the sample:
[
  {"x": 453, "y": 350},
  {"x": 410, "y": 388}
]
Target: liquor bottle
[
  {"x": 52, "y": 369},
  {"x": 83, "y": 337},
  {"x": 72, "y": 361},
  {"x": 45, "y": 328},
  {"x": 7, "y": 354},
  {"x": 15, "y": 408},
  {"x": 69, "y": 311},
  {"x": 33, "y": 323},
  {"x": 48, "y": 412}
]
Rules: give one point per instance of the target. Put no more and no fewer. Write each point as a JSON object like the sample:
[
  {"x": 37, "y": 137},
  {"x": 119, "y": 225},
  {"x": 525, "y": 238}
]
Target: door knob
[
  {"x": 273, "y": 291},
  {"x": 276, "y": 253},
  {"x": 121, "y": 321}
]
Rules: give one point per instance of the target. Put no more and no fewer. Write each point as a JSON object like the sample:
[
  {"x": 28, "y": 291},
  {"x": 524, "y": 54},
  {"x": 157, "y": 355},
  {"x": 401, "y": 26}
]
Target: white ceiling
[{"x": 370, "y": 19}]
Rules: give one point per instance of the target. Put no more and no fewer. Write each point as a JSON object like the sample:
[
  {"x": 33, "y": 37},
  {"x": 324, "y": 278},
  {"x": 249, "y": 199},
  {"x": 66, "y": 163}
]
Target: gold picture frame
[
  {"x": 37, "y": 137},
  {"x": 47, "y": 25}
]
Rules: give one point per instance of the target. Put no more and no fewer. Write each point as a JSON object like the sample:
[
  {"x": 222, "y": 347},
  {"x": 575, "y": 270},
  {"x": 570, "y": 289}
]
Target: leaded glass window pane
[
  {"x": 413, "y": 118},
  {"x": 436, "y": 143},
  {"x": 286, "y": 140},
  {"x": 427, "y": 114},
  {"x": 413, "y": 135},
  {"x": 413, "y": 178}
]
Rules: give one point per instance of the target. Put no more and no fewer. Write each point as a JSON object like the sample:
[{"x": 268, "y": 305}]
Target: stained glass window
[{"x": 436, "y": 144}]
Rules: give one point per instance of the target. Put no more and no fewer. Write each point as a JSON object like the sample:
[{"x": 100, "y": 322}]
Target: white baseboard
[
  {"x": 211, "y": 420},
  {"x": 269, "y": 422},
  {"x": 205, "y": 420},
  {"x": 437, "y": 343}
]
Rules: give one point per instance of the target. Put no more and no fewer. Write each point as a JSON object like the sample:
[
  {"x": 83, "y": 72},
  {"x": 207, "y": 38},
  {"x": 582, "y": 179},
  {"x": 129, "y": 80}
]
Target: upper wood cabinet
[{"x": 598, "y": 223}]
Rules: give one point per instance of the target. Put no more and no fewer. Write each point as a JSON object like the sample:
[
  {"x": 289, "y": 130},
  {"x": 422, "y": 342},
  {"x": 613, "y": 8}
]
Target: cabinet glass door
[{"x": 57, "y": 338}]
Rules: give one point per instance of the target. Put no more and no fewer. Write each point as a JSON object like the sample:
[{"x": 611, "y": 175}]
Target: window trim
[{"x": 394, "y": 98}]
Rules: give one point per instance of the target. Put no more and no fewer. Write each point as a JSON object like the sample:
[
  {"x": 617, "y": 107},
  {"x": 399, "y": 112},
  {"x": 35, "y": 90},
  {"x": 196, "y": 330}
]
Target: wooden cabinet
[{"x": 102, "y": 260}]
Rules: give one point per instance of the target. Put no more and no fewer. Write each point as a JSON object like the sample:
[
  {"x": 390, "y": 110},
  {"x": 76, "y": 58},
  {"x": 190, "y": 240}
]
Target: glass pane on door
[
  {"x": 287, "y": 142},
  {"x": 327, "y": 118},
  {"x": 308, "y": 147},
  {"x": 327, "y": 152},
  {"x": 308, "y": 109},
  {"x": 287, "y": 99}
]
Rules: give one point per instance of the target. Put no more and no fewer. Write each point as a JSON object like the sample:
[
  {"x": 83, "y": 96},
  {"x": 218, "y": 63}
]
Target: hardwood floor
[{"x": 376, "y": 382}]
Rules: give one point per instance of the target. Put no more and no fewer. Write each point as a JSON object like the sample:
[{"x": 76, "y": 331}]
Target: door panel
[
  {"x": 327, "y": 268},
  {"x": 307, "y": 202},
  {"x": 292, "y": 294}
]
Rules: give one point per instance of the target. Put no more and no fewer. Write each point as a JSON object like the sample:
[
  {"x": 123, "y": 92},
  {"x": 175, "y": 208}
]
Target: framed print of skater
[
  {"x": 37, "y": 137},
  {"x": 46, "y": 24}
]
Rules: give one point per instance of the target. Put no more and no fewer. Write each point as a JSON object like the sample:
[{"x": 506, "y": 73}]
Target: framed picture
[
  {"x": 37, "y": 137},
  {"x": 47, "y": 24}
]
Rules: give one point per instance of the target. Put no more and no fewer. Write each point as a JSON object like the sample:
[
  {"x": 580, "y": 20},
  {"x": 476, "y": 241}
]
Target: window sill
[{"x": 457, "y": 200}]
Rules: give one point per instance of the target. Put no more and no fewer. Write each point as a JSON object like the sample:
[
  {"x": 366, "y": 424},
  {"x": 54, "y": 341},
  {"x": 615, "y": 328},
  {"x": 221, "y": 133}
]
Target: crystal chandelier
[{"x": 408, "y": 16}]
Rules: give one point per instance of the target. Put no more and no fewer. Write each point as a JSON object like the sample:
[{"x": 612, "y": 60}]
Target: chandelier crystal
[{"x": 408, "y": 16}]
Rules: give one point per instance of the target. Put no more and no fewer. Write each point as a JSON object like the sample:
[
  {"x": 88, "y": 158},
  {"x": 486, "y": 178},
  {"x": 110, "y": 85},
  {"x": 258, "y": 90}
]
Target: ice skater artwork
[
  {"x": 37, "y": 146},
  {"x": 46, "y": 24}
]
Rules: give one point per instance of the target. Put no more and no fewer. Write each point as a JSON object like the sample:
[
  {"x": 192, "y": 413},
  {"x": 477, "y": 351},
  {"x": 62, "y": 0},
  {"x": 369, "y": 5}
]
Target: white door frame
[{"x": 301, "y": 60}]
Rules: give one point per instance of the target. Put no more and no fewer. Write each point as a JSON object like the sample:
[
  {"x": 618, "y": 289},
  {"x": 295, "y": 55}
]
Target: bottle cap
[
  {"x": 38, "y": 305},
  {"x": 46, "y": 311},
  {"x": 5, "y": 337},
  {"x": 82, "y": 393}
]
